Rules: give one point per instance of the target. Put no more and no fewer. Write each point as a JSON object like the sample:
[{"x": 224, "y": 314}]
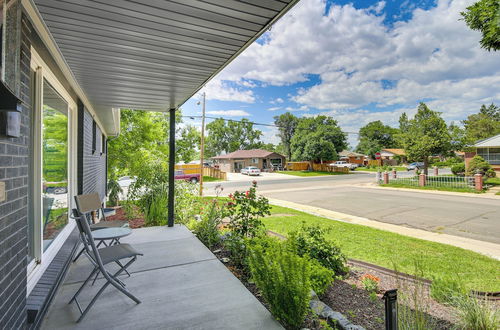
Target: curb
[{"x": 491, "y": 250}]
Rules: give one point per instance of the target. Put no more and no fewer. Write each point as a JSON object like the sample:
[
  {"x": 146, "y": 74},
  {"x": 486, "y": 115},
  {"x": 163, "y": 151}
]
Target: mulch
[{"x": 137, "y": 222}]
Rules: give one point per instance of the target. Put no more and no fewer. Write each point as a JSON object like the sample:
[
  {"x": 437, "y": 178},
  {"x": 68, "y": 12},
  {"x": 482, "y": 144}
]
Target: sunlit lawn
[
  {"x": 374, "y": 169},
  {"x": 387, "y": 249},
  {"x": 210, "y": 179},
  {"x": 309, "y": 173}
]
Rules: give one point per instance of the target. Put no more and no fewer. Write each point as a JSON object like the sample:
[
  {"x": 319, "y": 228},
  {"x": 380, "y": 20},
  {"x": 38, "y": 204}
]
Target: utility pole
[{"x": 202, "y": 144}]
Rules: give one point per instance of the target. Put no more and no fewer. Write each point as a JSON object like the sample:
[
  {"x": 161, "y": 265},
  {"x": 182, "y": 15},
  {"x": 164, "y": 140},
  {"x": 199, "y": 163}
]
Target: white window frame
[{"x": 43, "y": 258}]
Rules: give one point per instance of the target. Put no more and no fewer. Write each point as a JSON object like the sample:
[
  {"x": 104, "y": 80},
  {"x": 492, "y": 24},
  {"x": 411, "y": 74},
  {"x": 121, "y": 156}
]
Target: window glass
[{"x": 54, "y": 164}]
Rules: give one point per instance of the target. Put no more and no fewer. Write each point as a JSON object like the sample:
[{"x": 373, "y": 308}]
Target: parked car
[
  {"x": 250, "y": 170},
  {"x": 126, "y": 181},
  {"x": 193, "y": 177},
  {"x": 415, "y": 166},
  {"x": 342, "y": 163}
]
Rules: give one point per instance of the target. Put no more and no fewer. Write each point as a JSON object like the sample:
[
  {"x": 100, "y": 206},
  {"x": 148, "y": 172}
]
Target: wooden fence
[
  {"x": 297, "y": 166},
  {"x": 328, "y": 168},
  {"x": 207, "y": 171}
]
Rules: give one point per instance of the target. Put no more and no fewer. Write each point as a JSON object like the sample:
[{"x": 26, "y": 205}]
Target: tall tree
[
  {"x": 188, "y": 144},
  {"x": 484, "y": 16},
  {"x": 286, "y": 125},
  {"x": 225, "y": 137},
  {"x": 318, "y": 139},
  {"x": 375, "y": 136},
  {"x": 425, "y": 135},
  {"x": 482, "y": 125}
]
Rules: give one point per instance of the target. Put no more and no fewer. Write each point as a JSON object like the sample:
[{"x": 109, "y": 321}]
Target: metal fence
[{"x": 448, "y": 181}]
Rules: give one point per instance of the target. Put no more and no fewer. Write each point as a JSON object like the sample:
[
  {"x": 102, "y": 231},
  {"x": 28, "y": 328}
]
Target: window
[
  {"x": 94, "y": 136},
  {"x": 103, "y": 144},
  {"x": 255, "y": 160}
]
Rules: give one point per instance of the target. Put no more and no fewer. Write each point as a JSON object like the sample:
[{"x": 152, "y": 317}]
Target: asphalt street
[{"x": 471, "y": 217}]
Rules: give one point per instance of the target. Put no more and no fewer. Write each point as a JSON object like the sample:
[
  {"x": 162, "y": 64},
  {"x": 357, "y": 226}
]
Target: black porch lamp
[{"x": 10, "y": 112}]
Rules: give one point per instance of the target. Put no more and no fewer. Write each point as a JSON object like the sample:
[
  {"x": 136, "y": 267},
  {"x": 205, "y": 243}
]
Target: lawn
[
  {"x": 385, "y": 248},
  {"x": 492, "y": 181},
  {"x": 375, "y": 169},
  {"x": 210, "y": 179},
  {"x": 309, "y": 173}
]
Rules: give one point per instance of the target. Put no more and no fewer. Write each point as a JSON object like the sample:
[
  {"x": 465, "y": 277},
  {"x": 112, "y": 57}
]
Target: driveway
[{"x": 238, "y": 177}]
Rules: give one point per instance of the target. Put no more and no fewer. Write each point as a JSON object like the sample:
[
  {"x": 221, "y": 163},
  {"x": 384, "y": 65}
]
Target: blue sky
[{"x": 357, "y": 61}]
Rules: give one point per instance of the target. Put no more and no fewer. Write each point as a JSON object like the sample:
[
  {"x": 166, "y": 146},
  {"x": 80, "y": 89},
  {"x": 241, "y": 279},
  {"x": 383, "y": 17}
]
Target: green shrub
[
  {"x": 475, "y": 314},
  {"x": 283, "y": 278},
  {"x": 478, "y": 165},
  {"x": 239, "y": 247},
  {"x": 458, "y": 169},
  {"x": 445, "y": 288},
  {"x": 114, "y": 191},
  {"x": 207, "y": 228},
  {"x": 321, "y": 277},
  {"x": 311, "y": 241},
  {"x": 245, "y": 210}
]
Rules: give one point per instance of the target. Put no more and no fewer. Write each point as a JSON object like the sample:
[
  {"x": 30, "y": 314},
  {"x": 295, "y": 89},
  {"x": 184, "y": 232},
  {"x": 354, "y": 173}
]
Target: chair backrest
[
  {"x": 88, "y": 240},
  {"x": 88, "y": 203}
]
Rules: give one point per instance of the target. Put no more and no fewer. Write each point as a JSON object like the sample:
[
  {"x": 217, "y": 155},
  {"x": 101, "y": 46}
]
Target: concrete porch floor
[{"x": 181, "y": 284}]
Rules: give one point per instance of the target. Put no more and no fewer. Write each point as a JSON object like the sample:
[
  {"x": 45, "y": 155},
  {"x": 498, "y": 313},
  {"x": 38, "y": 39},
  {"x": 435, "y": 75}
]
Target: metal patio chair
[{"x": 99, "y": 258}]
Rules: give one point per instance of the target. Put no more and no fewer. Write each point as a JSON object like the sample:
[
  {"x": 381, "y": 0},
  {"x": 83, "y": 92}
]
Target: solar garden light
[{"x": 391, "y": 309}]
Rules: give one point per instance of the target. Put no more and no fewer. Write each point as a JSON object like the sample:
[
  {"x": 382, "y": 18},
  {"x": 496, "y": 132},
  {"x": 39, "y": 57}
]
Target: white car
[
  {"x": 250, "y": 170},
  {"x": 126, "y": 181},
  {"x": 342, "y": 163}
]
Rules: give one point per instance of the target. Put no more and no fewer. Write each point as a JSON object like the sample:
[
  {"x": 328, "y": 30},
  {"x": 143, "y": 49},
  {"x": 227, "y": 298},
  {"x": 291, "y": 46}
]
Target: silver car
[{"x": 250, "y": 170}]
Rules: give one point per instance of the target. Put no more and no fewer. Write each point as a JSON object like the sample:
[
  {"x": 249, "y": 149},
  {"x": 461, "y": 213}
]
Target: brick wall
[
  {"x": 91, "y": 164},
  {"x": 14, "y": 162}
]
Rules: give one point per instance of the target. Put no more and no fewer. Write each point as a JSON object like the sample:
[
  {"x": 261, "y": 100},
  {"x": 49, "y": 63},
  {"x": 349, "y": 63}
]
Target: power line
[{"x": 246, "y": 121}]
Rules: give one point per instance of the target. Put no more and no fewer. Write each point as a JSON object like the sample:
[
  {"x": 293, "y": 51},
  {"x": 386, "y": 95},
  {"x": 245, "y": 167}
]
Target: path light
[{"x": 391, "y": 309}]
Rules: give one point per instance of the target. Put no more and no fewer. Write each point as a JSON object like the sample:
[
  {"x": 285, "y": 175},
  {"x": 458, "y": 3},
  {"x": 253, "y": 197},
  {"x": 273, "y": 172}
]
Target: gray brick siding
[
  {"x": 14, "y": 159},
  {"x": 91, "y": 164}
]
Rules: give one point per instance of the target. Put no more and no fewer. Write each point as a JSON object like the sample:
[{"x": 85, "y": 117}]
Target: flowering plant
[
  {"x": 245, "y": 210},
  {"x": 370, "y": 282}
]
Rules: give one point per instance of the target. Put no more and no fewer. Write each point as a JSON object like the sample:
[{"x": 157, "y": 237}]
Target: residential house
[
  {"x": 489, "y": 149},
  {"x": 66, "y": 69},
  {"x": 392, "y": 156},
  {"x": 235, "y": 161},
  {"x": 353, "y": 157}
]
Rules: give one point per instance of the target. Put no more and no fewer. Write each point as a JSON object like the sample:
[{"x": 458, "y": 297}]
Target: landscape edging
[{"x": 324, "y": 311}]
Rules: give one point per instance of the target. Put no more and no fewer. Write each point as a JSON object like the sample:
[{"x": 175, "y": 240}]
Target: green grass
[
  {"x": 309, "y": 173},
  {"x": 492, "y": 181},
  {"x": 374, "y": 169},
  {"x": 385, "y": 248},
  {"x": 453, "y": 189},
  {"x": 56, "y": 185},
  {"x": 210, "y": 179}
]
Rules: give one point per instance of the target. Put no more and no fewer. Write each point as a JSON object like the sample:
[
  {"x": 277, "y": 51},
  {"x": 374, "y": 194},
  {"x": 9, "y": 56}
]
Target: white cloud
[
  {"x": 434, "y": 57},
  {"x": 220, "y": 90},
  {"x": 274, "y": 108},
  {"x": 301, "y": 108},
  {"x": 270, "y": 135},
  {"x": 228, "y": 113},
  {"x": 279, "y": 100}
]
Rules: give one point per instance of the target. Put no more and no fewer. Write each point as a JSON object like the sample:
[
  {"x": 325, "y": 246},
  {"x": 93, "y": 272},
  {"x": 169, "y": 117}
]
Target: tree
[
  {"x": 317, "y": 139},
  {"x": 287, "y": 124},
  {"x": 188, "y": 144},
  {"x": 482, "y": 125},
  {"x": 484, "y": 16},
  {"x": 226, "y": 137},
  {"x": 425, "y": 135},
  {"x": 375, "y": 136}
]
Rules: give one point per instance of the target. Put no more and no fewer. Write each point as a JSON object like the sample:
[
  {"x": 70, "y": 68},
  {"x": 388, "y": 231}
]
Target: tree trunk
[{"x": 426, "y": 165}]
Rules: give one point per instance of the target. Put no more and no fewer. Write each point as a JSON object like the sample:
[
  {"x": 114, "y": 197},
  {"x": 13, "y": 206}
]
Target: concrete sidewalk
[
  {"x": 486, "y": 248},
  {"x": 181, "y": 284}
]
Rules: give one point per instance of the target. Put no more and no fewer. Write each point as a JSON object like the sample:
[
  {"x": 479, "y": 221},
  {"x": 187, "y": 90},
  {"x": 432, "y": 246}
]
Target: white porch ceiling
[{"x": 152, "y": 54}]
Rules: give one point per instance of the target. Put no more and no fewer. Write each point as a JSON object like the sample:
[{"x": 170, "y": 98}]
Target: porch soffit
[{"x": 151, "y": 54}]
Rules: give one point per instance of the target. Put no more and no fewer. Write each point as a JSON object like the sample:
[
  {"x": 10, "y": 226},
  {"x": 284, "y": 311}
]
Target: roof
[
  {"x": 347, "y": 153},
  {"x": 493, "y": 141},
  {"x": 143, "y": 54},
  {"x": 399, "y": 152},
  {"x": 252, "y": 153}
]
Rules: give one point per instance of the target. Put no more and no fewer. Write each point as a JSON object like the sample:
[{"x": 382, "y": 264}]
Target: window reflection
[{"x": 54, "y": 164}]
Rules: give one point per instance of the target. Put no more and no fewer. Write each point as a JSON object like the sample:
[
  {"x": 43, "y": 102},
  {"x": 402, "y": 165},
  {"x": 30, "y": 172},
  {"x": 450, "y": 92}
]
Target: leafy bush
[
  {"x": 239, "y": 247},
  {"x": 114, "y": 191},
  {"x": 321, "y": 277},
  {"x": 475, "y": 314},
  {"x": 206, "y": 229},
  {"x": 311, "y": 241},
  {"x": 445, "y": 288},
  {"x": 245, "y": 210},
  {"x": 370, "y": 282},
  {"x": 284, "y": 281},
  {"x": 458, "y": 169},
  {"x": 478, "y": 165}
]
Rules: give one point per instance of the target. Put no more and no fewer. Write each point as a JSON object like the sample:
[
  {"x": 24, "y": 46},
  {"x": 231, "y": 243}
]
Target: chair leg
[
  {"x": 79, "y": 254},
  {"x": 111, "y": 279},
  {"x": 120, "y": 264},
  {"x": 83, "y": 285}
]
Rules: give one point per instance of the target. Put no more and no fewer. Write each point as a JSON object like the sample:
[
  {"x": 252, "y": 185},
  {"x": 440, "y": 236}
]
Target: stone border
[{"x": 324, "y": 311}]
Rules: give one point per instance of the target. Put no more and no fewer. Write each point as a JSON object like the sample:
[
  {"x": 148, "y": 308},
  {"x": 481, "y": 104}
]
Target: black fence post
[
  {"x": 171, "y": 169},
  {"x": 391, "y": 309}
]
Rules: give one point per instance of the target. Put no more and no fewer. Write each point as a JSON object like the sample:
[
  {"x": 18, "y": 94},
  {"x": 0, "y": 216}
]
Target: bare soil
[{"x": 135, "y": 222}]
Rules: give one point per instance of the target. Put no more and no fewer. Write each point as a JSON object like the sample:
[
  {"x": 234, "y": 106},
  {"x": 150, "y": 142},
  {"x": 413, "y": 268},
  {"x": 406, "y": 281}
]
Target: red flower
[{"x": 246, "y": 193}]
